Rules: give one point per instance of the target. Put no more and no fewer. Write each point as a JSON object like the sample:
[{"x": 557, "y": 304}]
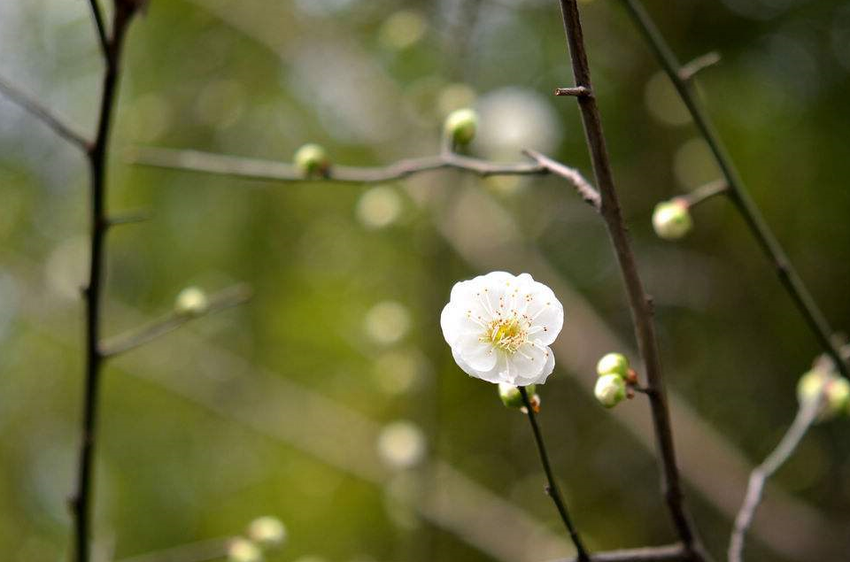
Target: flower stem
[{"x": 552, "y": 488}]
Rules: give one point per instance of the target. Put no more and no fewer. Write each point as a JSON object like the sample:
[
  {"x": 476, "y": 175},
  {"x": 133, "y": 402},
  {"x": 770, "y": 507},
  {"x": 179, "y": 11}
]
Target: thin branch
[
  {"x": 552, "y": 489},
  {"x": 641, "y": 307},
  {"x": 583, "y": 187},
  {"x": 705, "y": 192},
  {"x": 269, "y": 170},
  {"x": 806, "y": 415},
  {"x": 201, "y": 551},
  {"x": 668, "y": 553},
  {"x": 792, "y": 282},
  {"x": 82, "y": 500},
  {"x": 34, "y": 108},
  {"x": 101, "y": 28},
  {"x": 578, "y": 91},
  {"x": 688, "y": 71},
  {"x": 138, "y": 337}
]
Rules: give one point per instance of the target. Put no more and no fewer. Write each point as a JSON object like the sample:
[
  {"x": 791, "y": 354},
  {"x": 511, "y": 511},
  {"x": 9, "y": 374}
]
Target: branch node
[{"x": 688, "y": 71}]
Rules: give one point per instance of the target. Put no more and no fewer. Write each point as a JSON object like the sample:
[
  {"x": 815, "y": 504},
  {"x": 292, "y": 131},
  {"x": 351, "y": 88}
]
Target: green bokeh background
[{"x": 259, "y": 78}]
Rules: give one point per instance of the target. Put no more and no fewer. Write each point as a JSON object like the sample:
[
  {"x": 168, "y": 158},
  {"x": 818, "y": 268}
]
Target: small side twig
[
  {"x": 577, "y": 91},
  {"x": 583, "y": 187},
  {"x": 552, "y": 489},
  {"x": 705, "y": 192},
  {"x": 100, "y": 26},
  {"x": 806, "y": 415},
  {"x": 122, "y": 343},
  {"x": 34, "y": 108},
  {"x": 688, "y": 71}
]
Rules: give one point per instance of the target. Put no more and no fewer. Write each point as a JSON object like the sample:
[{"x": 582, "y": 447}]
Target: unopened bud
[
  {"x": 243, "y": 550},
  {"x": 191, "y": 301},
  {"x": 312, "y": 160},
  {"x": 610, "y": 390},
  {"x": 837, "y": 396},
  {"x": 511, "y": 396},
  {"x": 671, "y": 219},
  {"x": 461, "y": 125},
  {"x": 267, "y": 532},
  {"x": 613, "y": 364},
  {"x": 833, "y": 390}
]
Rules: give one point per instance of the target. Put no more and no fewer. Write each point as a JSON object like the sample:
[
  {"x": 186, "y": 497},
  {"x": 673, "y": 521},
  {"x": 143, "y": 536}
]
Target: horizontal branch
[
  {"x": 39, "y": 111},
  {"x": 254, "y": 168},
  {"x": 222, "y": 300},
  {"x": 668, "y": 553}
]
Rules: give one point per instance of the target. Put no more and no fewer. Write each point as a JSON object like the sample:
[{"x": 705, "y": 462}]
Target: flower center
[{"x": 506, "y": 334}]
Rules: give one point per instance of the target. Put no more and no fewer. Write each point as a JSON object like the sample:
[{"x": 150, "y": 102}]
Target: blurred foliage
[{"x": 372, "y": 82}]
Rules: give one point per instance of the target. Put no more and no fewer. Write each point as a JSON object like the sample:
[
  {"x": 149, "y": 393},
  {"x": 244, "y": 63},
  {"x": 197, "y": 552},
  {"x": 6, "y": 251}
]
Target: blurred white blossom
[
  {"x": 387, "y": 322},
  {"x": 379, "y": 207},
  {"x": 401, "y": 444},
  {"x": 513, "y": 119}
]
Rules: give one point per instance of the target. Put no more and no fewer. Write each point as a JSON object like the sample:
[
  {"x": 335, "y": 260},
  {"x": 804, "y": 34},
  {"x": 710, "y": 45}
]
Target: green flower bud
[
  {"x": 610, "y": 390},
  {"x": 312, "y": 160},
  {"x": 613, "y": 364},
  {"x": 837, "y": 397},
  {"x": 511, "y": 396},
  {"x": 671, "y": 219},
  {"x": 810, "y": 385},
  {"x": 267, "y": 532},
  {"x": 191, "y": 301},
  {"x": 461, "y": 125},
  {"x": 243, "y": 550}
]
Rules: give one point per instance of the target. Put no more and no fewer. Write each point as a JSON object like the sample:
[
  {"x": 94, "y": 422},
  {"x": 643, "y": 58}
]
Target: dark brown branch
[
  {"x": 101, "y": 28},
  {"x": 578, "y": 91},
  {"x": 639, "y": 303},
  {"x": 688, "y": 71},
  {"x": 34, "y": 108},
  {"x": 739, "y": 194},
  {"x": 669, "y": 553},
  {"x": 705, "y": 192},
  {"x": 552, "y": 488},
  {"x": 806, "y": 416},
  {"x": 122, "y": 343},
  {"x": 81, "y": 502}
]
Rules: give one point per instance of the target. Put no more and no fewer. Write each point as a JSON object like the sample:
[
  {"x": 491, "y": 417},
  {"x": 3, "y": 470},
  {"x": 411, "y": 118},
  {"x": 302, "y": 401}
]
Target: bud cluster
[{"x": 616, "y": 380}]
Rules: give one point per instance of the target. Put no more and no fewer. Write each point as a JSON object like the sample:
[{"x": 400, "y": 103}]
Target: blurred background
[{"x": 330, "y": 400}]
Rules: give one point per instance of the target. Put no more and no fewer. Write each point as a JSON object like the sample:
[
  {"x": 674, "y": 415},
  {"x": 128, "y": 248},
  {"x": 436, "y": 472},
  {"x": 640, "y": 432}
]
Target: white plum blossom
[{"x": 500, "y": 327}]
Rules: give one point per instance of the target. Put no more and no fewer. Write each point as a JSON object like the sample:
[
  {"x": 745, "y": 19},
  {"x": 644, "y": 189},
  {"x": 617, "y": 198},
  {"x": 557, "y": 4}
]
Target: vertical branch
[
  {"x": 552, "y": 488},
  {"x": 81, "y": 502},
  {"x": 788, "y": 276},
  {"x": 639, "y": 303},
  {"x": 806, "y": 416}
]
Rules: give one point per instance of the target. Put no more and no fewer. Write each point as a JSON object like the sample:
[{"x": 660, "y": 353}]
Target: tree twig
[
  {"x": 34, "y": 108},
  {"x": 81, "y": 502},
  {"x": 585, "y": 190},
  {"x": 705, "y": 192},
  {"x": 101, "y": 28},
  {"x": 122, "y": 343},
  {"x": 738, "y": 193},
  {"x": 639, "y": 303},
  {"x": 688, "y": 71},
  {"x": 806, "y": 416},
  {"x": 552, "y": 488}
]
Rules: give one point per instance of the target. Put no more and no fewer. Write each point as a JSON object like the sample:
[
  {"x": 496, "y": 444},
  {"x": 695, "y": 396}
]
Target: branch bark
[
  {"x": 738, "y": 193},
  {"x": 639, "y": 303},
  {"x": 668, "y": 553},
  {"x": 81, "y": 502}
]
